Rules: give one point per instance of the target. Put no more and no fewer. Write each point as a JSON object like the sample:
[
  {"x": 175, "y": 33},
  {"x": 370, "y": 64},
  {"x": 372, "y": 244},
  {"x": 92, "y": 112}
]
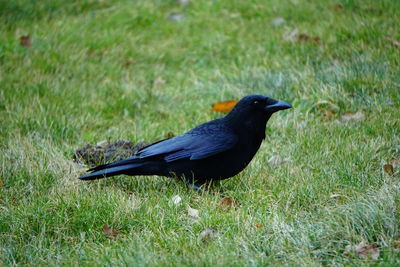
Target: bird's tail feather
[
  {"x": 126, "y": 161},
  {"x": 112, "y": 171}
]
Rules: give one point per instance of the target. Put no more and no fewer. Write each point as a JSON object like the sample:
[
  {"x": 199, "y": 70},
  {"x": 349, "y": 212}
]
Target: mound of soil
[{"x": 105, "y": 152}]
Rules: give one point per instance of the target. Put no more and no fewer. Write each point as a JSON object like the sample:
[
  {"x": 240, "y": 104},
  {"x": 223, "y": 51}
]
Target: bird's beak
[{"x": 279, "y": 105}]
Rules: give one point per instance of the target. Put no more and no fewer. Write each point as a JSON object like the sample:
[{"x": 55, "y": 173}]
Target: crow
[{"x": 215, "y": 150}]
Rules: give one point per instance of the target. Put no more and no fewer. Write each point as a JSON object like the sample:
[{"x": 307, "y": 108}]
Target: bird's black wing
[
  {"x": 189, "y": 146},
  {"x": 194, "y": 145}
]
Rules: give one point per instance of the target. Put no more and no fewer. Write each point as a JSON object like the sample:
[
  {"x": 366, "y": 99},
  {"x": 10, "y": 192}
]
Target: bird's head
[{"x": 257, "y": 108}]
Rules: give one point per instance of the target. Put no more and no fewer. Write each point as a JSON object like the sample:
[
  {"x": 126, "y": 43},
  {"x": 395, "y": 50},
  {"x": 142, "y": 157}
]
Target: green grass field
[{"x": 98, "y": 70}]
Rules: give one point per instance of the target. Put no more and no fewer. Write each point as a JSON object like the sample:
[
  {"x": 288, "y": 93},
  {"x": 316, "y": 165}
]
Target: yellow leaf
[
  {"x": 258, "y": 225},
  {"x": 225, "y": 106}
]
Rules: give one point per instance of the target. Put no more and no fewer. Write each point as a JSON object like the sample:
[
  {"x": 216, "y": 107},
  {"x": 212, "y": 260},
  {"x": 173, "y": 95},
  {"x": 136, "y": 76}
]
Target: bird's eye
[{"x": 256, "y": 102}]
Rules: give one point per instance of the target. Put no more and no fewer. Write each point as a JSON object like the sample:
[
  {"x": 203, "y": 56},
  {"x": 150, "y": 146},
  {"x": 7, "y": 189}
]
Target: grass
[{"x": 113, "y": 70}]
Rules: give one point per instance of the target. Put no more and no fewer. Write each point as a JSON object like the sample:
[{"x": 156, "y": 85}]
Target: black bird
[{"x": 215, "y": 150}]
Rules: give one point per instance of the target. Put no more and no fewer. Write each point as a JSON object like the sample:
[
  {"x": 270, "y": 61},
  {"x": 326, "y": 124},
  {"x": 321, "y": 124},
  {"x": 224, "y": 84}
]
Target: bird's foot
[{"x": 199, "y": 189}]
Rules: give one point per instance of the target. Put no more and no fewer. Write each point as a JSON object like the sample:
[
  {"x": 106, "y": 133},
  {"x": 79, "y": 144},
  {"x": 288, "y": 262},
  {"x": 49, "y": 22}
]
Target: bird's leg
[
  {"x": 196, "y": 187},
  {"x": 201, "y": 188}
]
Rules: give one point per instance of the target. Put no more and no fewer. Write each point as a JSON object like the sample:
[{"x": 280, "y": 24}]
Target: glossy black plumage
[{"x": 215, "y": 150}]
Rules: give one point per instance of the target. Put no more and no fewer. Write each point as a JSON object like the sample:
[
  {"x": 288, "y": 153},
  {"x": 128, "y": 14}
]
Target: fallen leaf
[
  {"x": 388, "y": 168},
  {"x": 176, "y": 16},
  {"x": 25, "y": 41},
  {"x": 363, "y": 250},
  {"x": 306, "y": 37},
  {"x": 176, "y": 199},
  {"x": 278, "y": 160},
  {"x": 193, "y": 213},
  {"x": 296, "y": 36},
  {"x": 225, "y": 106},
  {"x": 303, "y": 37},
  {"x": 338, "y": 6},
  {"x": 316, "y": 39},
  {"x": 227, "y": 202},
  {"x": 277, "y": 22},
  {"x": 109, "y": 232},
  {"x": 128, "y": 63},
  {"x": 208, "y": 234},
  {"x": 258, "y": 225},
  {"x": 394, "y": 41},
  {"x": 335, "y": 196},
  {"x": 358, "y": 116}
]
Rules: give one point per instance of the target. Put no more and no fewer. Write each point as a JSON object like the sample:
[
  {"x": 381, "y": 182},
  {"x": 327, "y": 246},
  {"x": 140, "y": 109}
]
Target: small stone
[{"x": 176, "y": 199}]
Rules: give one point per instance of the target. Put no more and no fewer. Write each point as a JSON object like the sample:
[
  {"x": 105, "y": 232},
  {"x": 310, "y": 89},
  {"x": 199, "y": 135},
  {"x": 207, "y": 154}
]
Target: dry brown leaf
[
  {"x": 394, "y": 42},
  {"x": 363, "y": 250},
  {"x": 316, "y": 39},
  {"x": 388, "y": 168},
  {"x": 258, "y": 225},
  {"x": 208, "y": 234},
  {"x": 25, "y": 41},
  {"x": 338, "y": 6},
  {"x": 227, "y": 202},
  {"x": 193, "y": 213},
  {"x": 306, "y": 37},
  {"x": 295, "y": 35},
  {"x": 109, "y": 232},
  {"x": 225, "y": 106},
  {"x": 358, "y": 116},
  {"x": 128, "y": 63}
]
